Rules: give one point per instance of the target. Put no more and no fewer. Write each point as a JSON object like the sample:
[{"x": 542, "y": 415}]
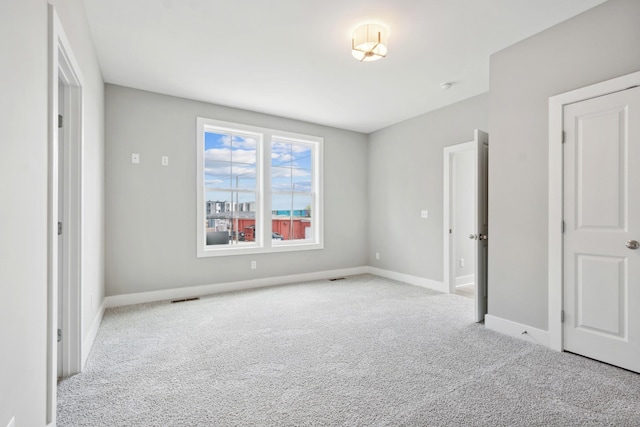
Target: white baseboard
[
  {"x": 88, "y": 341},
  {"x": 412, "y": 280},
  {"x": 516, "y": 330},
  {"x": 466, "y": 280},
  {"x": 195, "y": 291}
]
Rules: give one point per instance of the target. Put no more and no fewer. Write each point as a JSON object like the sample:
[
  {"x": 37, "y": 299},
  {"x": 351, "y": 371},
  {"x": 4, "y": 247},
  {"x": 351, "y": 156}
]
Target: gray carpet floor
[{"x": 364, "y": 351}]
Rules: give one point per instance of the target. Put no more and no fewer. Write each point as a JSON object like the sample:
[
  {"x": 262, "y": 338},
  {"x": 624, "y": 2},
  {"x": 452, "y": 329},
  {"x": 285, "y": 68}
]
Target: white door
[
  {"x": 478, "y": 232},
  {"x": 601, "y": 296}
]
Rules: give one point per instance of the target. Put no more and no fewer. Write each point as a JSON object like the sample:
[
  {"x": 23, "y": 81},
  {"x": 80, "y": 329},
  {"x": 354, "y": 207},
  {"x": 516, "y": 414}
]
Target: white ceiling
[{"x": 292, "y": 58}]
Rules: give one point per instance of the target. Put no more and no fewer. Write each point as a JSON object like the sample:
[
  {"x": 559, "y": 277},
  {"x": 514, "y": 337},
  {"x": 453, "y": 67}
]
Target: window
[
  {"x": 259, "y": 190},
  {"x": 291, "y": 190},
  {"x": 231, "y": 186}
]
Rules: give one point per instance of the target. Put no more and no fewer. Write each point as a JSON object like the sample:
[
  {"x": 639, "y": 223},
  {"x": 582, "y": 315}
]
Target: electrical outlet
[
  {"x": 135, "y": 158},
  {"x": 424, "y": 214},
  {"x": 253, "y": 265},
  {"x": 165, "y": 160},
  {"x": 461, "y": 262},
  {"x": 377, "y": 255}
]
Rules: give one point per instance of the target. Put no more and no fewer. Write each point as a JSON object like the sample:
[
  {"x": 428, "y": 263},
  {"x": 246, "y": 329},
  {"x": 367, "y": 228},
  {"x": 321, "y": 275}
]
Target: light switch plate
[
  {"x": 135, "y": 158},
  {"x": 165, "y": 160},
  {"x": 424, "y": 214}
]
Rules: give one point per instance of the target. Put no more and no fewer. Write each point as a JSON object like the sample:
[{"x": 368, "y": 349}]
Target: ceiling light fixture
[{"x": 369, "y": 42}]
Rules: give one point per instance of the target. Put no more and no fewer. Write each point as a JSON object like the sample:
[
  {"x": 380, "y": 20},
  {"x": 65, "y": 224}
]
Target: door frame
[
  {"x": 448, "y": 267},
  {"x": 63, "y": 67},
  {"x": 556, "y": 192},
  {"x": 480, "y": 145}
]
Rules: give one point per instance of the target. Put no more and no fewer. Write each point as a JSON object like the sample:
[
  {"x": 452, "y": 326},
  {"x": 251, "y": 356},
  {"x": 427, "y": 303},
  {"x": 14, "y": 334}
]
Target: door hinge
[
  {"x": 563, "y": 226},
  {"x": 562, "y": 316},
  {"x": 449, "y": 231},
  {"x": 59, "y": 228},
  {"x": 59, "y": 335},
  {"x": 59, "y": 121},
  {"x": 564, "y": 136}
]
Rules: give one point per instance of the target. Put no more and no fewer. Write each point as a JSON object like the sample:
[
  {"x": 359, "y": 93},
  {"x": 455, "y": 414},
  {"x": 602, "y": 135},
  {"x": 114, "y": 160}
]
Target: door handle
[
  {"x": 632, "y": 244},
  {"x": 473, "y": 237}
]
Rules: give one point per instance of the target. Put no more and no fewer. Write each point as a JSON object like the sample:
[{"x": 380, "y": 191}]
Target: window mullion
[{"x": 267, "y": 191}]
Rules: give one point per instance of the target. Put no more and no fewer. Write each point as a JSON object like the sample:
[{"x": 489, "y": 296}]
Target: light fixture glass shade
[{"x": 369, "y": 42}]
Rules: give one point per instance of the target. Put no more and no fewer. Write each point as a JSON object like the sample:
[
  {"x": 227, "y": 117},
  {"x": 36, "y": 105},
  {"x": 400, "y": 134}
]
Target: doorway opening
[
  {"x": 461, "y": 220},
  {"x": 465, "y": 220},
  {"x": 64, "y": 216}
]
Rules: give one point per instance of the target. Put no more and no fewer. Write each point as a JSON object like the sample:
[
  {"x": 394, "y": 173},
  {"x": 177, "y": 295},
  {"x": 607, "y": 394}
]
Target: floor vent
[
  {"x": 337, "y": 278},
  {"x": 185, "y": 299}
]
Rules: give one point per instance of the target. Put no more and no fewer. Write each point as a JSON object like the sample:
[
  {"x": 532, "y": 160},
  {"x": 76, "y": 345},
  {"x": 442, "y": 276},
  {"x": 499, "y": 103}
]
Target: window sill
[{"x": 276, "y": 248}]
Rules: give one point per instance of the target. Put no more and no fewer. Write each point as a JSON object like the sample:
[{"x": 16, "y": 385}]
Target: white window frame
[{"x": 264, "y": 242}]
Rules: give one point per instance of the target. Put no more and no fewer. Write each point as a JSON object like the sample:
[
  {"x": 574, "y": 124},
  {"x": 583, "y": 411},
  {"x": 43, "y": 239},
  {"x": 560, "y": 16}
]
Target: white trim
[
  {"x": 516, "y": 330},
  {"x": 52, "y": 214},
  {"x": 72, "y": 211},
  {"x": 469, "y": 279},
  {"x": 88, "y": 341},
  {"x": 556, "y": 196},
  {"x": 63, "y": 66},
  {"x": 411, "y": 280},
  {"x": 448, "y": 269},
  {"x": 194, "y": 291}
]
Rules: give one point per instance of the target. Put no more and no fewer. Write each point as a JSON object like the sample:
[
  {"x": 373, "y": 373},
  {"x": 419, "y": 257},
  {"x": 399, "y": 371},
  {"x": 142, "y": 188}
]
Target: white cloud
[
  {"x": 287, "y": 172},
  {"x": 227, "y": 155},
  {"x": 239, "y": 141},
  {"x": 243, "y": 171},
  {"x": 300, "y": 187},
  {"x": 245, "y": 142}
]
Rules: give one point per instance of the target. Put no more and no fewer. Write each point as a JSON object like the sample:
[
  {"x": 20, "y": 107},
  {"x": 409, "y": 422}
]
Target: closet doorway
[{"x": 465, "y": 232}]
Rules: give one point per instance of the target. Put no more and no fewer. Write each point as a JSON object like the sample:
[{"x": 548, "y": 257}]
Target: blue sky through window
[
  {"x": 229, "y": 165},
  {"x": 230, "y": 170},
  {"x": 291, "y": 175}
]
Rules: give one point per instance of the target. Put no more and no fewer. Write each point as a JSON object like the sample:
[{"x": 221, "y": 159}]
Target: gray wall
[
  {"x": 405, "y": 177},
  {"x": 600, "y": 44},
  {"x": 151, "y": 209},
  {"x": 23, "y": 217}
]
